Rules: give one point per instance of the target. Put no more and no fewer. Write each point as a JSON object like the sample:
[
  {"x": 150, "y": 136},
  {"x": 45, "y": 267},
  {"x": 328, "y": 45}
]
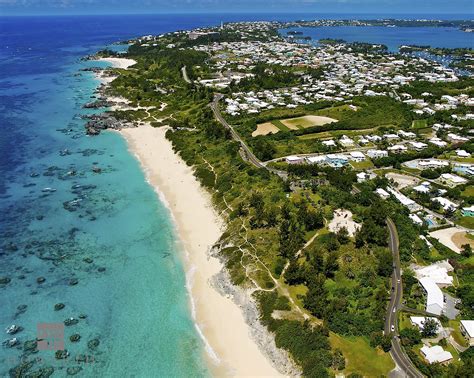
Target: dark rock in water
[
  {"x": 96, "y": 170},
  {"x": 84, "y": 358},
  {"x": 40, "y": 280},
  {"x": 64, "y": 152},
  {"x": 75, "y": 338},
  {"x": 71, "y": 321},
  {"x": 93, "y": 344},
  {"x": 88, "y": 260},
  {"x": 39, "y": 217},
  {"x": 21, "y": 308},
  {"x": 30, "y": 345},
  {"x": 44, "y": 372},
  {"x": 61, "y": 354},
  {"x": 82, "y": 316},
  {"x": 59, "y": 306},
  {"x": 29, "y": 185},
  {"x": 21, "y": 277},
  {"x": 72, "y": 205},
  {"x": 73, "y": 370},
  {"x": 11, "y": 247},
  {"x": 101, "y": 103},
  {"x": 34, "y": 174},
  {"x": 98, "y": 122},
  {"x": 5, "y": 280},
  {"x": 73, "y": 281},
  {"x": 21, "y": 370},
  {"x": 101, "y": 269}
]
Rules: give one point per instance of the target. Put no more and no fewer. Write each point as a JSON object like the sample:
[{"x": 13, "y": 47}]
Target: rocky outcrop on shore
[
  {"x": 100, "y": 103},
  {"x": 98, "y": 122}
]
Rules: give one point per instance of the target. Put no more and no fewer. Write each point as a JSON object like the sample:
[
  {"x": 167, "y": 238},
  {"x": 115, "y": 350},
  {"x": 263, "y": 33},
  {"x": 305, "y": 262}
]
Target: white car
[{"x": 393, "y": 328}]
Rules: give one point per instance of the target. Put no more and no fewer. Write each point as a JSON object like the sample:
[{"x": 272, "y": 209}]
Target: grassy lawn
[
  {"x": 456, "y": 334},
  {"x": 404, "y": 321},
  {"x": 419, "y": 123},
  {"x": 467, "y": 222},
  {"x": 280, "y": 125},
  {"x": 361, "y": 165},
  {"x": 468, "y": 192},
  {"x": 361, "y": 358}
]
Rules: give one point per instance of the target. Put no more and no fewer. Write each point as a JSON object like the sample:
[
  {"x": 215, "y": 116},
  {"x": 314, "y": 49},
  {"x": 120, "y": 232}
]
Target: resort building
[
  {"x": 377, "y": 154},
  {"x": 398, "y": 148},
  {"x": 345, "y": 141},
  {"x": 463, "y": 154},
  {"x": 467, "y": 329},
  {"x": 434, "y": 296},
  {"x": 436, "y": 354}
]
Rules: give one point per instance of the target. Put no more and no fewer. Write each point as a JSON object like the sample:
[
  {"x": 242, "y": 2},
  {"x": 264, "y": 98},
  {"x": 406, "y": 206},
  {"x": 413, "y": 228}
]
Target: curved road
[
  {"x": 391, "y": 318},
  {"x": 249, "y": 156}
]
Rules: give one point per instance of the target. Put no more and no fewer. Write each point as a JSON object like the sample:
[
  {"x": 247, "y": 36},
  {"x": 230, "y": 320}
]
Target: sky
[{"x": 387, "y": 7}]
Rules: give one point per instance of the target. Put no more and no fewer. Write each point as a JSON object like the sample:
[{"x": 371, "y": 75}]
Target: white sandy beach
[
  {"x": 234, "y": 353},
  {"x": 123, "y": 63}
]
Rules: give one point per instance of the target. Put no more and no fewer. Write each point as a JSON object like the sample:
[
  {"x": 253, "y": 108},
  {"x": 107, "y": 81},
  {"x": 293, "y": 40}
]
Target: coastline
[
  {"x": 225, "y": 316},
  {"x": 231, "y": 349}
]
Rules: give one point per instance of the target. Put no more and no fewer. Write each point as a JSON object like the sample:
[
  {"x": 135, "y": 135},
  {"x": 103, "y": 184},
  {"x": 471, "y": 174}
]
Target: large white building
[{"x": 434, "y": 296}]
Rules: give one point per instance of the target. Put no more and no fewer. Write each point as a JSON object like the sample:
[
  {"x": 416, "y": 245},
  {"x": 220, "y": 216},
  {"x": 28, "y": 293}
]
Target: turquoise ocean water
[{"x": 100, "y": 243}]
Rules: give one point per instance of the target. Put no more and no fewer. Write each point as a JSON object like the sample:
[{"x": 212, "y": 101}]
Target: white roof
[
  {"x": 468, "y": 326},
  {"x": 436, "y": 354},
  {"x": 357, "y": 154},
  {"x": 421, "y": 189},
  {"x": 437, "y": 272},
  {"x": 382, "y": 192},
  {"x": 316, "y": 159},
  {"x": 434, "y": 293},
  {"x": 470, "y": 208},
  {"x": 293, "y": 158},
  {"x": 420, "y": 321},
  {"x": 445, "y": 203},
  {"x": 454, "y": 178},
  {"x": 415, "y": 218}
]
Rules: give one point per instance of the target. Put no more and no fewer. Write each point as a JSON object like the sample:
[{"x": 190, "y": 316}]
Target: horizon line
[{"x": 387, "y": 14}]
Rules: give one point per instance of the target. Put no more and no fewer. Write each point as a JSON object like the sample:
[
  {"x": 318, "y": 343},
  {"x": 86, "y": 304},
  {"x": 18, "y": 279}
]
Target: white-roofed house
[
  {"x": 377, "y": 154},
  {"x": 436, "y": 354},
  {"x": 416, "y": 219},
  {"x": 357, "y": 156},
  {"x": 294, "y": 159},
  {"x": 419, "y": 321},
  {"x": 445, "y": 203},
  {"x": 434, "y": 296},
  {"x": 463, "y": 153},
  {"x": 316, "y": 159},
  {"x": 452, "y": 180},
  {"x": 467, "y": 329},
  {"x": 382, "y": 193}
]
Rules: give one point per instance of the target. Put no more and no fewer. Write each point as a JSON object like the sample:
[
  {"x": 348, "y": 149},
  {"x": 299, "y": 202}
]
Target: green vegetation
[{"x": 362, "y": 358}]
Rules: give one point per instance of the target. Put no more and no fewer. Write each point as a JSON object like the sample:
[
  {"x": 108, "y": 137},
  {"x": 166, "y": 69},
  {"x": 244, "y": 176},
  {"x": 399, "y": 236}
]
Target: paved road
[
  {"x": 391, "y": 319},
  {"x": 248, "y": 154}
]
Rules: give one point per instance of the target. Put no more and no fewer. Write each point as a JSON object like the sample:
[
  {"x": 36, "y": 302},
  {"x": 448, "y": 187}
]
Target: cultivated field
[{"x": 265, "y": 129}]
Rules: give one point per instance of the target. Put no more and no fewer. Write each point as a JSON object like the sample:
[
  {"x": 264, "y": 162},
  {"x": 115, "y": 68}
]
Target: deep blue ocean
[{"x": 98, "y": 241}]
